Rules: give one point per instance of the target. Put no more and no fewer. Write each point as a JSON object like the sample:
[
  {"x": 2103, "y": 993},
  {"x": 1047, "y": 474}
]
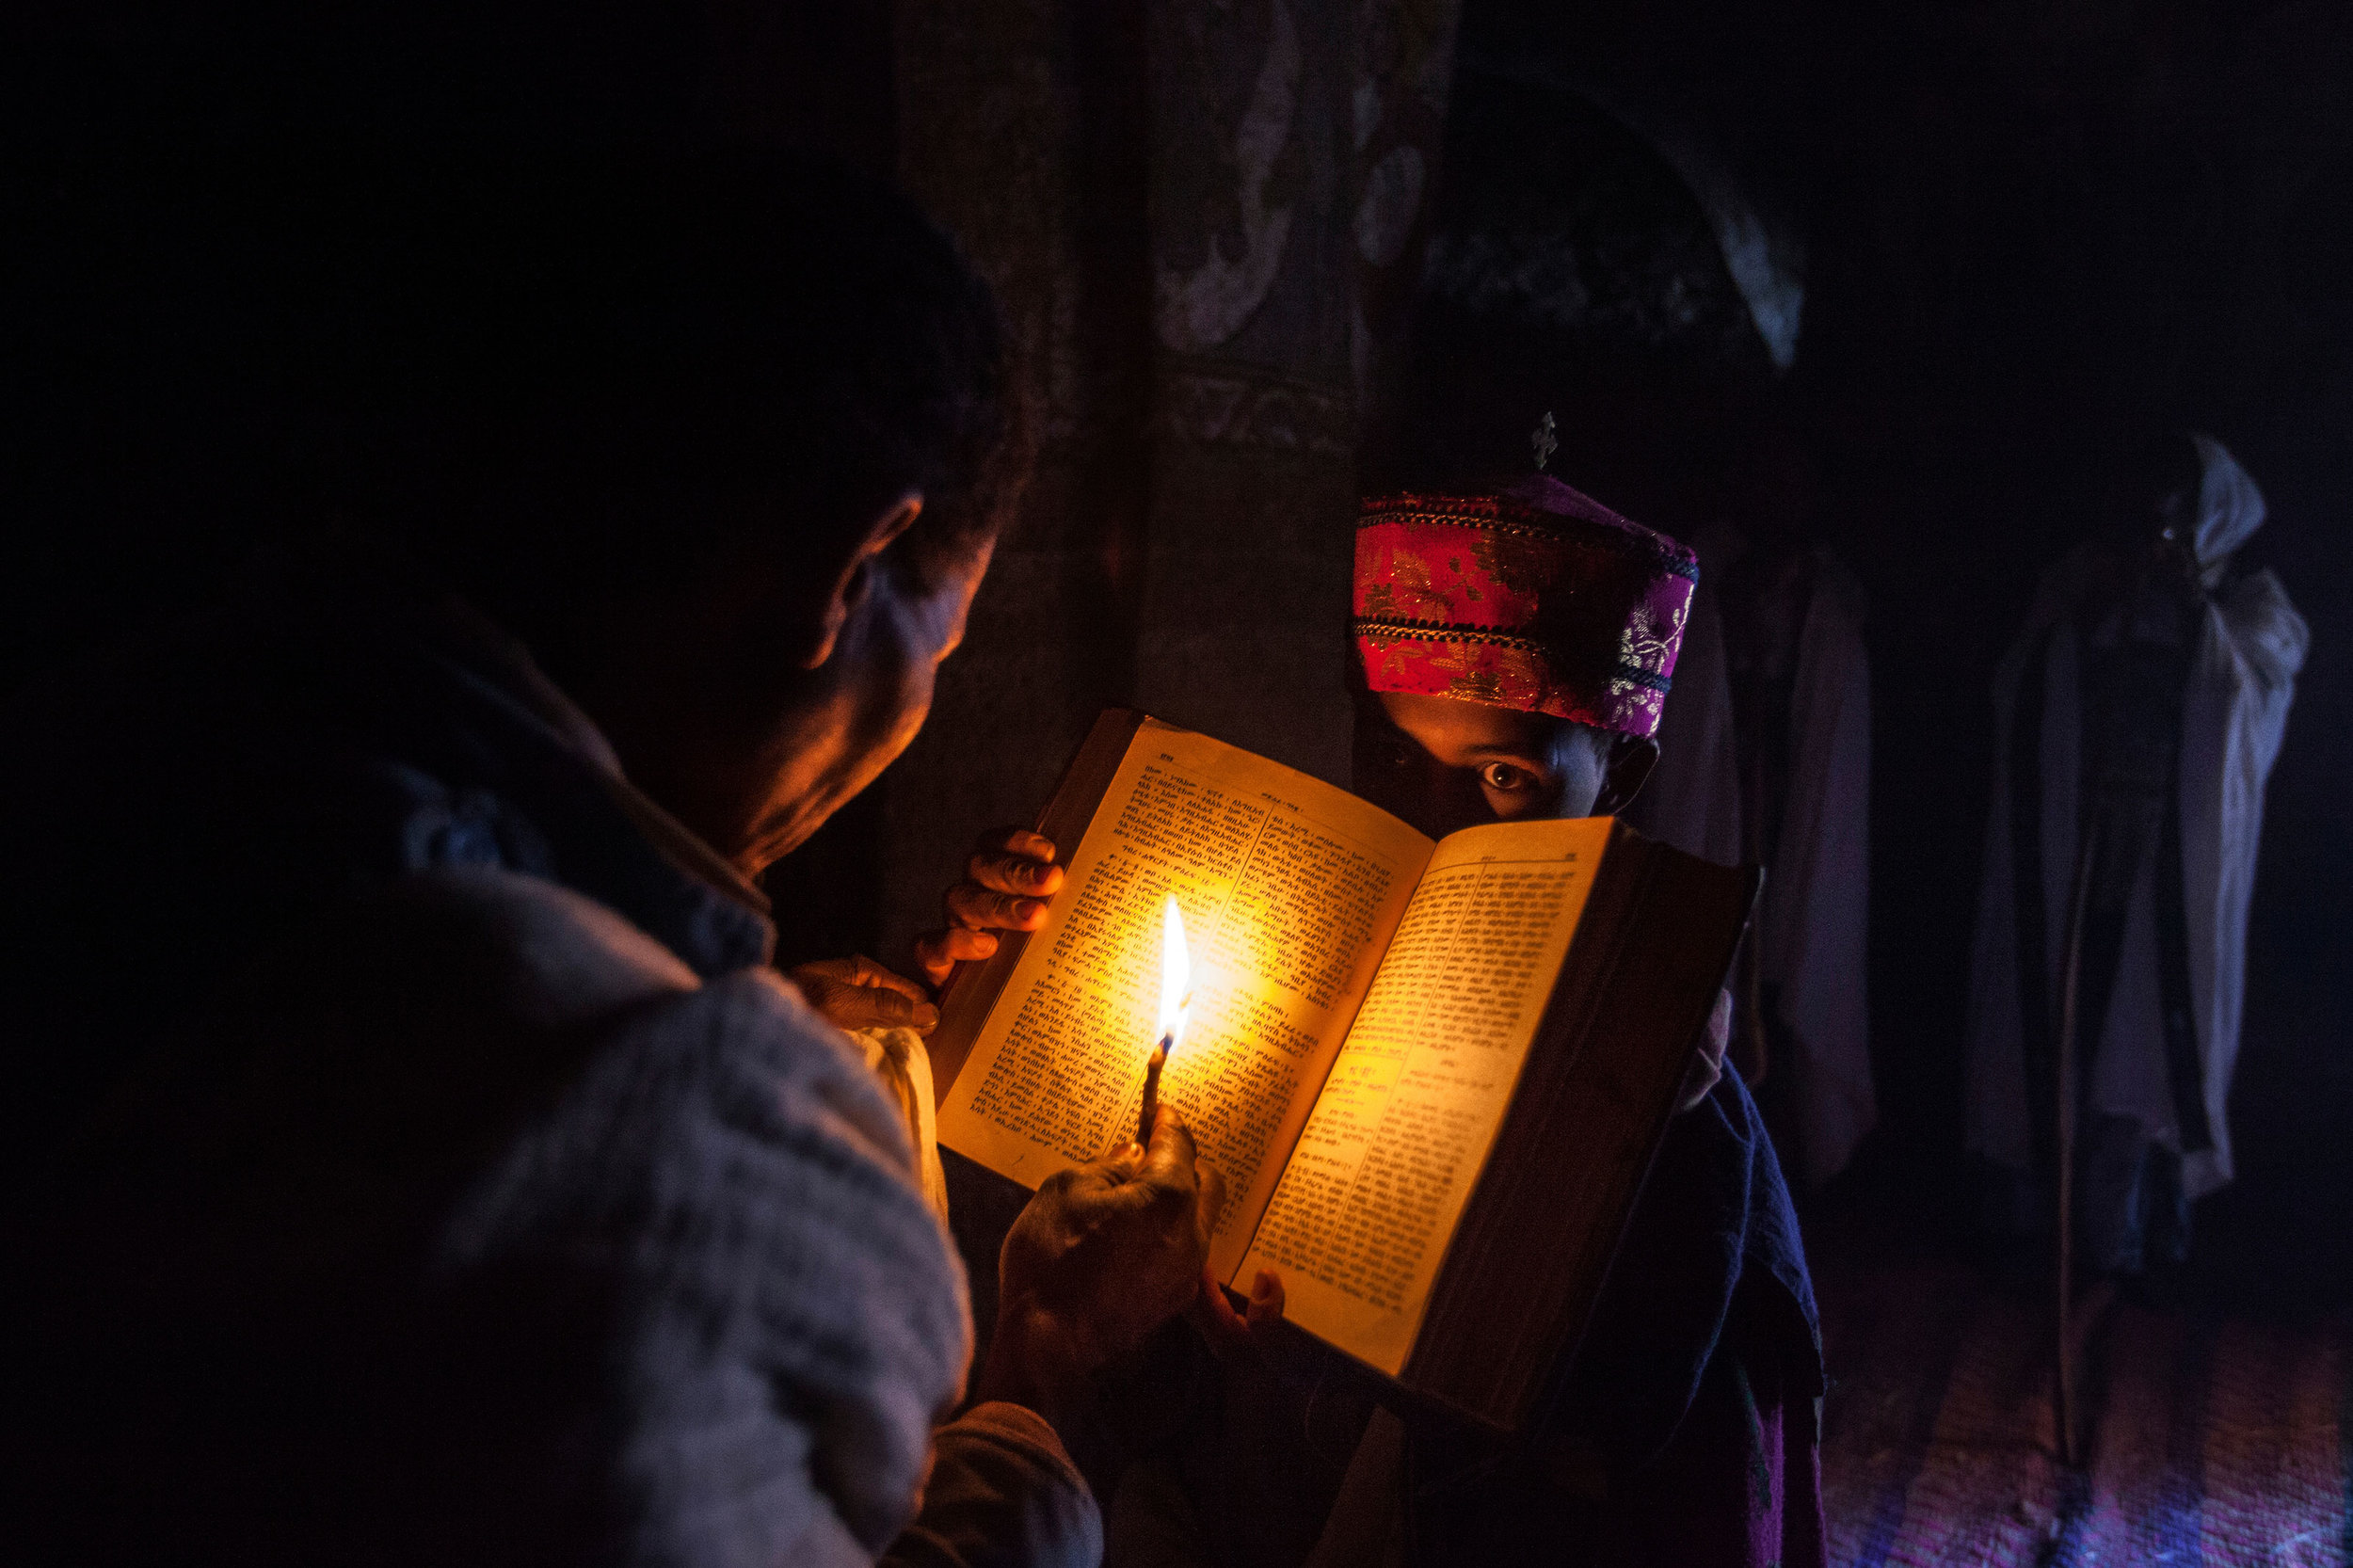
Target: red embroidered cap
[{"x": 1535, "y": 598}]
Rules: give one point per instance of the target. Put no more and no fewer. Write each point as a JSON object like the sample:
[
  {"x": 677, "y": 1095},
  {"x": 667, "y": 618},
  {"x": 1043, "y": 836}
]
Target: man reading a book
[
  {"x": 414, "y": 1157},
  {"x": 1515, "y": 646}
]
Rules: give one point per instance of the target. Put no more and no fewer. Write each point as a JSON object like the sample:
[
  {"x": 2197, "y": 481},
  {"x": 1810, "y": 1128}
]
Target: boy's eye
[{"x": 1503, "y": 776}]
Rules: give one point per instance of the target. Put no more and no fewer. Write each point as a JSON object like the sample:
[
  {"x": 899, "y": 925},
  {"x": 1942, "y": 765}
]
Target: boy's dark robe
[
  {"x": 1687, "y": 1433},
  {"x": 1688, "y": 1430}
]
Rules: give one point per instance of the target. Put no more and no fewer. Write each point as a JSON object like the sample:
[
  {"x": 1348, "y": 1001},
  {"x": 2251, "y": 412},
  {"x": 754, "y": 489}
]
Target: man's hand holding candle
[
  {"x": 1011, "y": 876},
  {"x": 1103, "y": 1255}
]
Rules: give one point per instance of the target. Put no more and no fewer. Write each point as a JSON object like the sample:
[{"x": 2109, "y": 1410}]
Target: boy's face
[{"x": 1444, "y": 765}]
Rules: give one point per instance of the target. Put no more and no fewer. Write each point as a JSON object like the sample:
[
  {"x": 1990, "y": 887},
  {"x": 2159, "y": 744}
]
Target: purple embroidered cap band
[{"x": 1534, "y": 597}]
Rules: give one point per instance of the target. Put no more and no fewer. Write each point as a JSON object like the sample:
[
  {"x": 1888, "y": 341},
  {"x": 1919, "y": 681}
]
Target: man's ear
[
  {"x": 853, "y": 575},
  {"x": 1631, "y": 758}
]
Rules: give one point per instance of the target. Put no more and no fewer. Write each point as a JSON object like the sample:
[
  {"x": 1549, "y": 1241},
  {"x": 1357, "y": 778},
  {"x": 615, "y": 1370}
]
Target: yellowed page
[
  {"x": 1289, "y": 889},
  {"x": 1359, "y": 1224}
]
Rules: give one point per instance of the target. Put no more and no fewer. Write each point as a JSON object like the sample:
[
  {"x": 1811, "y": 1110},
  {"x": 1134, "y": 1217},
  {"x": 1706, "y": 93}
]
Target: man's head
[
  {"x": 722, "y": 438},
  {"x": 2149, "y": 497},
  {"x": 1515, "y": 649}
]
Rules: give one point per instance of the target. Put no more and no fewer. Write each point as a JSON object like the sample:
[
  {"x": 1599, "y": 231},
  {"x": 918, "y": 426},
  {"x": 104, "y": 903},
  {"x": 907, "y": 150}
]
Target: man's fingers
[
  {"x": 860, "y": 973},
  {"x": 1130, "y": 1181},
  {"x": 1014, "y": 840},
  {"x": 1171, "y": 1152},
  {"x": 858, "y": 993},
  {"x": 872, "y": 1007},
  {"x": 955, "y": 945},
  {"x": 1125, "y": 1157},
  {"x": 1167, "y": 1176},
  {"x": 895, "y": 1007},
  {"x": 856, "y": 971},
  {"x": 1231, "y": 1332},
  {"x": 1011, "y": 876},
  {"x": 1266, "y": 1300},
  {"x": 1014, "y": 873},
  {"x": 1215, "y": 1318},
  {"x": 865, "y": 971},
  {"x": 977, "y": 908},
  {"x": 823, "y": 971}
]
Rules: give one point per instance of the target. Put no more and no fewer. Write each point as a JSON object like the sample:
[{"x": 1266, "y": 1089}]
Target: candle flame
[{"x": 1176, "y": 973}]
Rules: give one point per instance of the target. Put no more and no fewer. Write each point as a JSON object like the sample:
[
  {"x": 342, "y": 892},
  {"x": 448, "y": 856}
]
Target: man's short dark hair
[{"x": 571, "y": 378}]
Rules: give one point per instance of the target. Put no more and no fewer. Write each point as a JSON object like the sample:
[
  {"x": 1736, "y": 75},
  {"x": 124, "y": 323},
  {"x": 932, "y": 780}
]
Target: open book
[{"x": 1432, "y": 1074}]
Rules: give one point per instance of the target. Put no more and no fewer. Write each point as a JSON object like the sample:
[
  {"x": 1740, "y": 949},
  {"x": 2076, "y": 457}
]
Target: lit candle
[{"x": 1176, "y": 1000}]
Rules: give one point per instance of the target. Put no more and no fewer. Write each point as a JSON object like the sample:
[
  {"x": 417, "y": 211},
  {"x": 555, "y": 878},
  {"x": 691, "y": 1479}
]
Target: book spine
[{"x": 1529, "y": 1256}]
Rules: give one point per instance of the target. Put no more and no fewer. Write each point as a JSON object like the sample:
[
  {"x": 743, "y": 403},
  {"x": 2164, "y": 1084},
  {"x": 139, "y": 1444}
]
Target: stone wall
[{"x": 1196, "y": 217}]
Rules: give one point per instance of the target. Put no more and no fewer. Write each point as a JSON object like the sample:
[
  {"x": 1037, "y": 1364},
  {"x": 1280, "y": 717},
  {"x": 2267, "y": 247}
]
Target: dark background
[{"x": 2022, "y": 225}]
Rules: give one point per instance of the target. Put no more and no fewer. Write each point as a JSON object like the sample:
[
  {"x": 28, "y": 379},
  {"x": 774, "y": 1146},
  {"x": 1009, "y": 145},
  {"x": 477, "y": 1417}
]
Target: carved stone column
[
  {"x": 1022, "y": 132},
  {"x": 1405, "y": 52},
  {"x": 1181, "y": 205},
  {"x": 1254, "y": 418}
]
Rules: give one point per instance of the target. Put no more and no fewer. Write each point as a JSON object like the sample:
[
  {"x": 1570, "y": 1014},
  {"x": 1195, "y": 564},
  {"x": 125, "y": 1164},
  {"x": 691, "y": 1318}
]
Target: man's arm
[
  {"x": 752, "y": 1314},
  {"x": 1003, "y": 1491},
  {"x": 762, "y": 1316}
]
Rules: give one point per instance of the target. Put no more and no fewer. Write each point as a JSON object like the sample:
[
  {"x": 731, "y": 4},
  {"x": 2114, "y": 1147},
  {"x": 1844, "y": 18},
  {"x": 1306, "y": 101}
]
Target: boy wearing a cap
[{"x": 1516, "y": 646}]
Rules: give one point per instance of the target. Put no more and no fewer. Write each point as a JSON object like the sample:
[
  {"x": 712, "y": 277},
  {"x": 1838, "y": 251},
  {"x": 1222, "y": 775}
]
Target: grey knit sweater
[{"x": 457, "y": 1184}]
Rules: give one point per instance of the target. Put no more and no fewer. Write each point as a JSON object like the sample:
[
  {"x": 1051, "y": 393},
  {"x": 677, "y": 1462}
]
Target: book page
[
  {"x": 1359, "y": 1223},
  {"x": 1290, "y": 891}
]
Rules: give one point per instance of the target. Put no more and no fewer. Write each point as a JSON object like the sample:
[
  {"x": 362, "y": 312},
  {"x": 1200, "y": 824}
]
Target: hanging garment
[
  {"x": 1788, "y": 785},
  {"x": 1692, "y": 799},
  {"x": 2168, "y": 834},
  {"x": 1809, "y": 768}
]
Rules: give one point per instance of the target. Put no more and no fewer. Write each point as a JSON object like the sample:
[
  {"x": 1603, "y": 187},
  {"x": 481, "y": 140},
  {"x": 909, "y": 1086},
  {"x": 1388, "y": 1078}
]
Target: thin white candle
[{"x": 1175, "y": 1003}]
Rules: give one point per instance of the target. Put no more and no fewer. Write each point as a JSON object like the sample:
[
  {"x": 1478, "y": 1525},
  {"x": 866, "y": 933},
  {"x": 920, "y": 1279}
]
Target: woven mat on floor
[{"x": 2214, "y": 1440}]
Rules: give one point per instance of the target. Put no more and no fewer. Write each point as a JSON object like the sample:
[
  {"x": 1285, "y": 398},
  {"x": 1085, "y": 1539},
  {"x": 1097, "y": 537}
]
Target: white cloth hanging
[
  {"x": 2250, "y": 644},
  {"x": 1814, "y": 923}
]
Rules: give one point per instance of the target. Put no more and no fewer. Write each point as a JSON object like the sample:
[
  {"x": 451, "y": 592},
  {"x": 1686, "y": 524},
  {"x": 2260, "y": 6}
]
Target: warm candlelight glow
[{"x": 1175, "y": 974}]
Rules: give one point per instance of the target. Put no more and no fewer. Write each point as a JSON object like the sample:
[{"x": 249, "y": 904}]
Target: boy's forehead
[{"x": 1453, "y": 731}]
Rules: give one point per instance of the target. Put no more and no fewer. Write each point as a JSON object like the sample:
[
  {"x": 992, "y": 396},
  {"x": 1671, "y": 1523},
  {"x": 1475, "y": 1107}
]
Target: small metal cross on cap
[{"x": 1547, "y": 439}]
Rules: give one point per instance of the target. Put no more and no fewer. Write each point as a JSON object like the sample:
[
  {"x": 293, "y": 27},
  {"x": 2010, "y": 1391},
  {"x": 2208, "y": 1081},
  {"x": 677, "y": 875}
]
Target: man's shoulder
[
  {"x": 2270, "y": 633},
  {"x": 559, "y": 976},
  {"x": 524, "y": 957},
  {"x": 552, "y": 958},
  {"x": 475, "y": 1154}
]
